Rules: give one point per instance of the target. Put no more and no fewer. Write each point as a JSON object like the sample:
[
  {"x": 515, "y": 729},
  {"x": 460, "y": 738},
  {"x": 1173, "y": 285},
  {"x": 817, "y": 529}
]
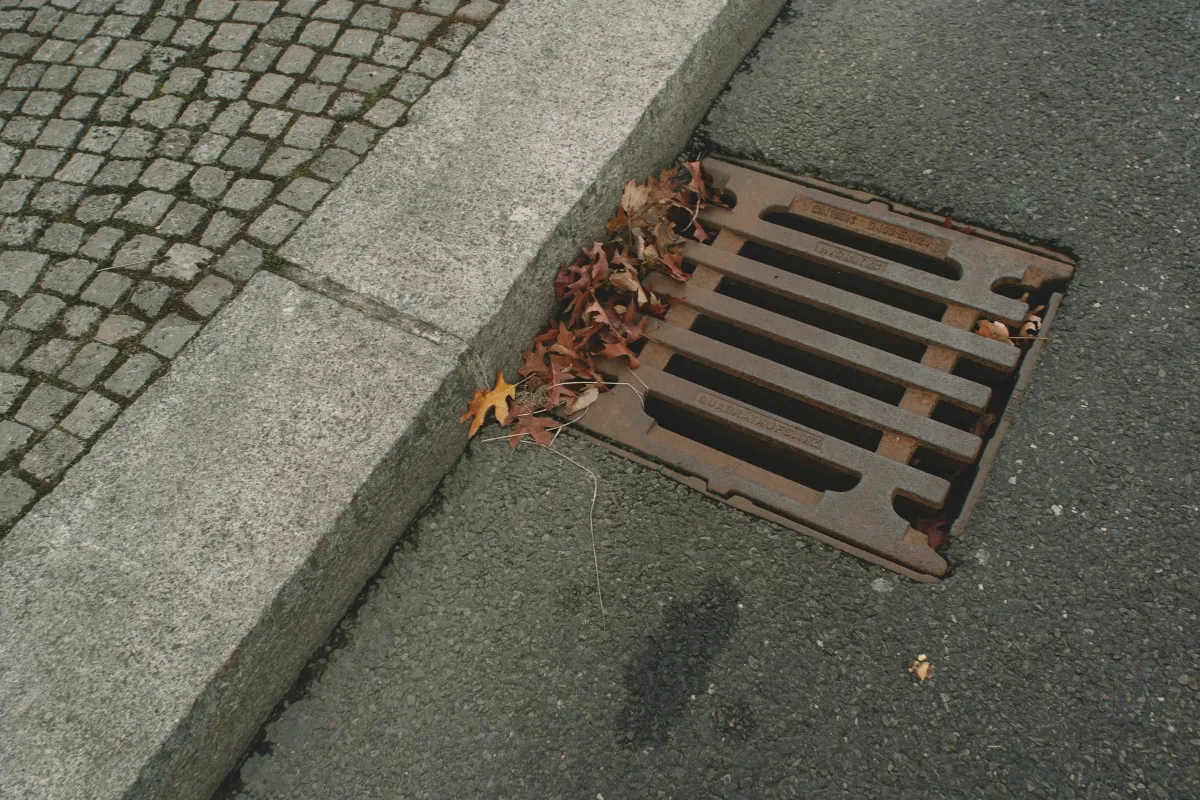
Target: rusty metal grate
[{"x": 821, "y": 369}]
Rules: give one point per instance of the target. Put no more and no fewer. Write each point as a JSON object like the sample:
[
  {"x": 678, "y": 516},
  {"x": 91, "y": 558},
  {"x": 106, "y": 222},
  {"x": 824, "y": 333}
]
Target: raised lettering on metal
[
  {"x": 906, "y": 237},
  {"x": 753, "y": 419}
]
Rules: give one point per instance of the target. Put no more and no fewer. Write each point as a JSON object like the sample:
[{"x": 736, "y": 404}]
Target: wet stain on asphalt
[{"x": 675, "y": 662}]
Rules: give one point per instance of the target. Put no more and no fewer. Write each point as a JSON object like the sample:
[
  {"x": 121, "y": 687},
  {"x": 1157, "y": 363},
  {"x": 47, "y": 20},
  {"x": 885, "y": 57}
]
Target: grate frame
[{"x": 865, "y": 248}]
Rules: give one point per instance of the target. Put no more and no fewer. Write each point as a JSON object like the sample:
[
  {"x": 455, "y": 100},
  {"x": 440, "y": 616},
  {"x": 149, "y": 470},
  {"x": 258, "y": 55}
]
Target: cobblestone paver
[{"x": 153, "y": 155}]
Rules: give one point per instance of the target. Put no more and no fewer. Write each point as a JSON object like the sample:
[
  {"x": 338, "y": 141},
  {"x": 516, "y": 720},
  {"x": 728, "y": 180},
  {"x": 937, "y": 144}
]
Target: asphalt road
[{"x": 735, "y": 659}]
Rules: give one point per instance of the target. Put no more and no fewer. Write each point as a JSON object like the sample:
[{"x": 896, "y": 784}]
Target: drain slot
[
  {"x": 802, "y": 360},
  {"x": 863, "y": 244},
  {"x": 847, "y": 281},
  {"x": 818, "y": 318},
  {"x": 791, "y": 465},
  {"x": 772, "y": 402},
  {"x": 836, "y": 391}
]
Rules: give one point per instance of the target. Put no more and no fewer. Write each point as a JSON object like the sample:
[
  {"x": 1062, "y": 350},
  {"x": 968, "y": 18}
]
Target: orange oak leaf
[
  {"x": 599, "y": 315},
  {"x": 496, "y": 400},
  {"x": 567, "y": 342},
  {"x": 621, "y": 259}
]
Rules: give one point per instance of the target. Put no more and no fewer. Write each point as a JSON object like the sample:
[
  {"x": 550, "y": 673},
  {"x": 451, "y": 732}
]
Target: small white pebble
[{"x": 1056, "y": 509}]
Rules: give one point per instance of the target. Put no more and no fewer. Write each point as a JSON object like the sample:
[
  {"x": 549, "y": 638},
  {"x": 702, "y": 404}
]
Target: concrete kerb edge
[
  {"x": 211, "y": 629},
  {"x": 240, "y": 695}
]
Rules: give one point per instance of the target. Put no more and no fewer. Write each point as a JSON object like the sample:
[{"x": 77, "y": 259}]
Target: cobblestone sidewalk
[{"x": 154, "y": 156}]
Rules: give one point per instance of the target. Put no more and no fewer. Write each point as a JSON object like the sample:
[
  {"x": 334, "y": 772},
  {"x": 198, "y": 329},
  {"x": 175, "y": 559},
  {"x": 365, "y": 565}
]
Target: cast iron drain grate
[{"x": 821, "y": 369}]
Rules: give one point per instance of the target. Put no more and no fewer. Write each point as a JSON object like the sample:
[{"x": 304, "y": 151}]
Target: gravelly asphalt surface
[{"x": 737, "y": 660}]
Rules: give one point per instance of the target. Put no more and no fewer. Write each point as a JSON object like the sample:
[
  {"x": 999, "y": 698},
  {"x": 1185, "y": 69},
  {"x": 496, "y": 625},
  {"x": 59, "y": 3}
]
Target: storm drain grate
[{"x": 821, "y": 369}]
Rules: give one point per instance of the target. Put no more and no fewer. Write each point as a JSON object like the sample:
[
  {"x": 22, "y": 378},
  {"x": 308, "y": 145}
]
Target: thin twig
[
  {"x": 591, "y": 513},
  {"x": 644, "y": 386},
  {"x": 559, "y": 429},
  {"x": 614, "y": 383},
  {"x": 591, "y": 527},
  {"x": 591, "y": 509},
  {"x": 696, "y": 213}
]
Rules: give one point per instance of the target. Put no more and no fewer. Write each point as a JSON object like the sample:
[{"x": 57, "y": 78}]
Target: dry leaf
[
  {"x": 618, "y": 349},
  {"x": 585, "y": 399},
  {"x": 635, "y": 198},
  {"x": 533, "y": 362},
  {"x": 538, "y": 429},
  {"x": 922, "y": 668},
  {"x": 496, "y": 399},
  {"x": 993, "y": 330},
  {"x": 983, "y": 424},
  {"x": 604, "y": 303},
  {"x": 625, "y": 281},
  {"x": 560, "y": 376}
]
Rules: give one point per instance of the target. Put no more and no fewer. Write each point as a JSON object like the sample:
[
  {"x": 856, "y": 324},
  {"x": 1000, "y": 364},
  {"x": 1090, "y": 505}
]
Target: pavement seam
[{"x": 370, "y": 307}]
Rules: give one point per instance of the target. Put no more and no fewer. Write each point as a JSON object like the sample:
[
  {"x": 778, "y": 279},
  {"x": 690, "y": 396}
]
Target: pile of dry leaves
[{"x": 604, "y": 305}]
